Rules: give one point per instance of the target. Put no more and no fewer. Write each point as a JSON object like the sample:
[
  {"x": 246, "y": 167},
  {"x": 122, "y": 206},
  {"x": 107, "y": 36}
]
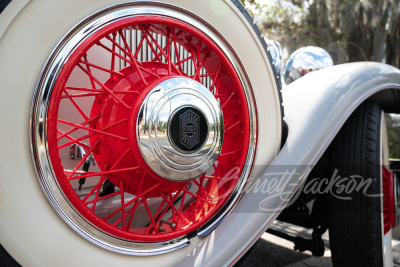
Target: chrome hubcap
[{"x": 179, "y": 129}]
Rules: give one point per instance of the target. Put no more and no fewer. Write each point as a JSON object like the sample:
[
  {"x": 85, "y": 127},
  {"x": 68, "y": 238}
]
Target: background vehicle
[{"x": 97, "y": 93}]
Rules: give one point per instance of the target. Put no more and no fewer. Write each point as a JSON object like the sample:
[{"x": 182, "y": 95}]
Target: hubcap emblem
[
  {"x": 188, "y": 129},
  {"x": 190, "y": 134}
]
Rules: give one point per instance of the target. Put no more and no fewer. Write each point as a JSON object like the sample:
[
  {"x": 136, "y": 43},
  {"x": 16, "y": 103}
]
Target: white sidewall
[
  {"x": 386, "y": 239},
  {"x": 30, "y": 228}
]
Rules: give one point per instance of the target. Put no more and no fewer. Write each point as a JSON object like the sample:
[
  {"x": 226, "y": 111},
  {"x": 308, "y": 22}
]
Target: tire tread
[{"x": 354, "y": 224}]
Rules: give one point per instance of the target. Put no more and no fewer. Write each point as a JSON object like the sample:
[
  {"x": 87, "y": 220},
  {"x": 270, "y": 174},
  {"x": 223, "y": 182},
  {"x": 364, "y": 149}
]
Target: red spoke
[
  {"x": 134, "y": 59},
  {"x": 229, "y": 153},
  {"x": 131, "y": 201},
  {"x": 171, "y": 203},
  {"x": 116, "y": 98},
  {"x": 139, "y": 47},
  {"x": 159, "y": 210},
  {"x": 121, "y": 188},
  {"x": 151, "y": 218},
  {"x": 89, "y": 70},
  {"x": 181, "y": 208},
  {"x": 169, "y": 57},
  {"x": 196, "y": 75},
  {"x": 96, "y": 197},
  {"x": 93, "y": 130},
  {"x": 175, "y": 209},
  {"x": 163, "y": 49},
  {"x": 149, "y": 72},
  {"x": 103, "y": 197},
  {"x": 96, "y": 187},
  {"x": 230, "y": 120},
  {"x": 136, "y": 63},
  {"x": 184, "y": 60},
  {"x": 74, "y": 141},
  {"x": 139, "y": 191},
  {"x": 105, "y": 172},
  {"x": 83, "y": 95},
  {"x": 77, "y": 172},
  {"x": 196, "y": 183},
  {"x": 233, "y": 125},
  {"x": 221, "y": 95},
  {"x": 103, "y": 177},
  {"x": 83, "y": 159},
  {"x": 190, "y": 193},
  {"x": 77, "y": 106},
  {"x": 126, "y": 51},
  {"x": 83, "y": 89},
  {"x": 113, "y": 56},
  {"x": 132, "y": 212},
  {"x": 216, "y": 77},
  {"x": 89, "y": 135},
  {"x": 144, "y": 32},
  {"x": 229, "y": 98},
  {"x": 140, "y": 73},
  {"x": 177, "y": 52},
  {"x": 200, "y": 192},
  {"x": 99, "y": 90},
  {"x": 103, "y": 69},
  {"x": 158, "y": 46},
  {"x": 211, "y": 75},
  {"x": 114, "y": 53},
  {"x": 194, "y": 61},
  {"x": 212, "y": 177}
]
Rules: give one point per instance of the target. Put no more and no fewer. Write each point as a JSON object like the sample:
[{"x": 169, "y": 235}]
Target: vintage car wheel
[
  {"x": 362, "y": 218},
  {"x": 144, "y": 127}
]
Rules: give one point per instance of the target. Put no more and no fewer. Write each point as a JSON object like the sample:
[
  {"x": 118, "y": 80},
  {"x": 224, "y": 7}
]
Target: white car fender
[
  {"x": 316, "y": 107},
  {"x": 13, "y": 8}
]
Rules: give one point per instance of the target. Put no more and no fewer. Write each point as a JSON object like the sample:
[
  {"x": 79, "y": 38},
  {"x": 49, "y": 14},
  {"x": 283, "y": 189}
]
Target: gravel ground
[{"x": 271, "y": 251}]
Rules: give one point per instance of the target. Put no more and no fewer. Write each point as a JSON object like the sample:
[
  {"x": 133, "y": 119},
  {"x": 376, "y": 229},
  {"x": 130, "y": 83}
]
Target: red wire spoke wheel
[{"x": 148, "y": 127}]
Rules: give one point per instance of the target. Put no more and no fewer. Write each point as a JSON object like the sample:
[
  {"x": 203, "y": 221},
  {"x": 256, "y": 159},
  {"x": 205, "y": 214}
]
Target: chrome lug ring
[{"x": 179, "y": 129}]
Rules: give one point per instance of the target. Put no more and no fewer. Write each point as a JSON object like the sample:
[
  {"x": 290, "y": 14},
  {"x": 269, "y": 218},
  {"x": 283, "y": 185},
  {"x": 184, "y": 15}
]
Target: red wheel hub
[
  {"x": 95, "y": 104},
  {"x": 109, "y": 153}
]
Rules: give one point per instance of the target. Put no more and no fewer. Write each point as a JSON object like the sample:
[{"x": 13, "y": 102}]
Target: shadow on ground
[{"x": 271, "y": 251}]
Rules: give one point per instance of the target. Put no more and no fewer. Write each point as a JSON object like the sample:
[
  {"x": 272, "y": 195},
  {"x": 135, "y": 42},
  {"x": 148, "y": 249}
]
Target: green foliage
[
  {"x": 350, "y": 30},
  {"x": 278, "y": 17}
]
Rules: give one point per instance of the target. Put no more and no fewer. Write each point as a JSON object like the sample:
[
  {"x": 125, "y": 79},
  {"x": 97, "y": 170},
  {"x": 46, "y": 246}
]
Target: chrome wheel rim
[{"x": 39, "y": 130}]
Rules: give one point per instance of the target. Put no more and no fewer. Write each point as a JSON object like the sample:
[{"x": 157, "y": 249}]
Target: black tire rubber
[
  {"x": 355, "y": 225},
  {"x": 6, "y": 260}
]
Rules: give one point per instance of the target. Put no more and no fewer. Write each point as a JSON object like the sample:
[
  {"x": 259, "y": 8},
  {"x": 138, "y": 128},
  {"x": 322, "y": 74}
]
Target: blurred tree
[
  {"x": 350, "y": 30},
  {"x": 393, "y": 125}
]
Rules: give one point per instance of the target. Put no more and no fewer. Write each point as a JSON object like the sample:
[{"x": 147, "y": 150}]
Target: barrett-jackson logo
[{"x": 189, "y": 129}]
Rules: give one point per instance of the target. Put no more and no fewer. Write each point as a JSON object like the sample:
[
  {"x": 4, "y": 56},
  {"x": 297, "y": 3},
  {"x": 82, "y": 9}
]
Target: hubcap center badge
[{"x": 188, "y": 129}]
